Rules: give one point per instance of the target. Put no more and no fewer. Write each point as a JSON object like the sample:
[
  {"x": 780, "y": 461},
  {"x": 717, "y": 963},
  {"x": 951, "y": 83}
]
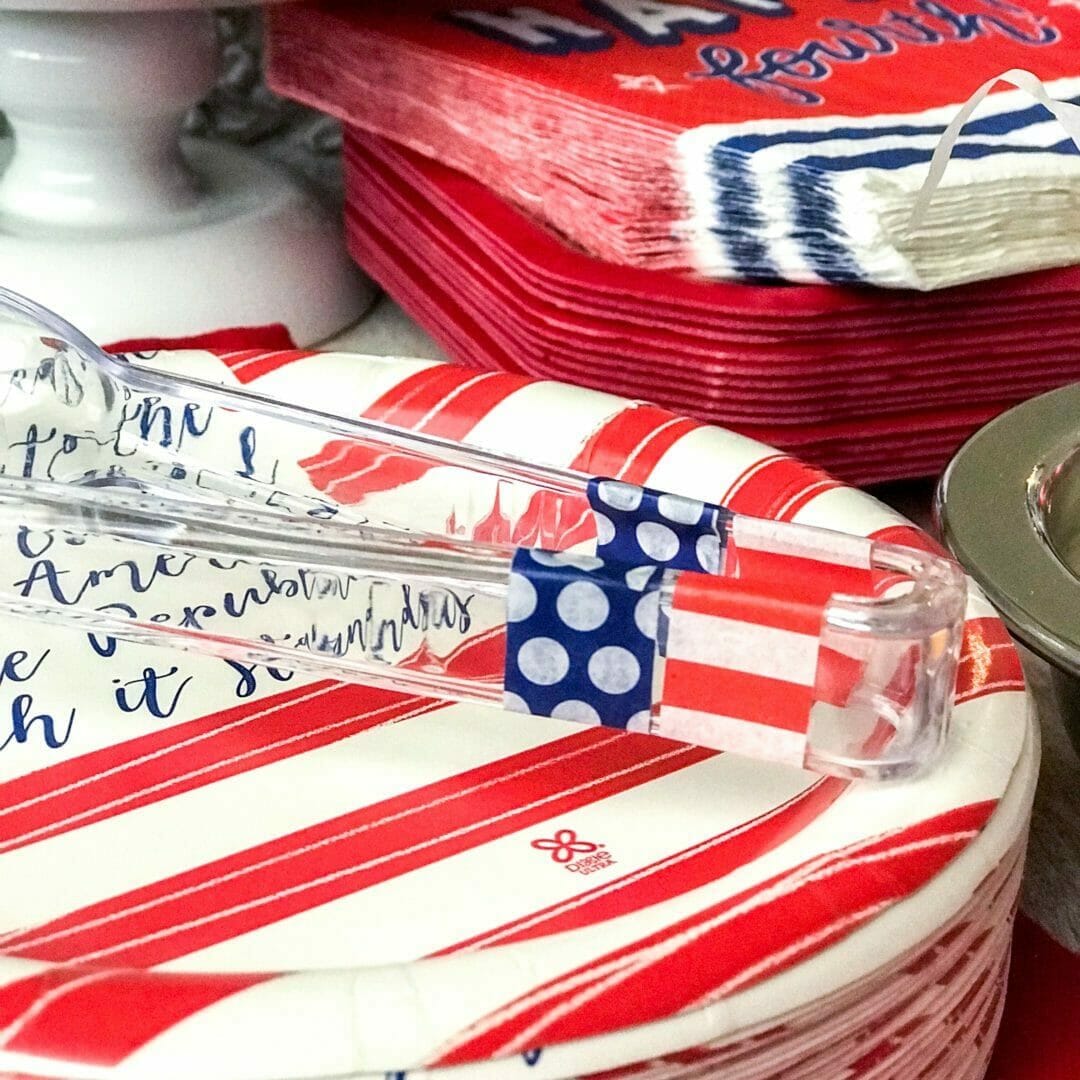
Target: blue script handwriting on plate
[
  {"x": 247, "y": 677},
  {"x": 151, "y": 693},
  {"x": 20, "y": 666}
]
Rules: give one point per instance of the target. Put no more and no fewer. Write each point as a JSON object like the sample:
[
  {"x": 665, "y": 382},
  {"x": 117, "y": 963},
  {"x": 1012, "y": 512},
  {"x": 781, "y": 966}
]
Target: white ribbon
[{"x": 1067, "y": 115}]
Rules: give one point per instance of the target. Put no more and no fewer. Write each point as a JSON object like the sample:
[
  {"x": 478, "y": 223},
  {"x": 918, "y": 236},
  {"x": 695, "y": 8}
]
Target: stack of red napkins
[
  {"x": 872, "y": 384},
  {"x": 744, "y": 140}
]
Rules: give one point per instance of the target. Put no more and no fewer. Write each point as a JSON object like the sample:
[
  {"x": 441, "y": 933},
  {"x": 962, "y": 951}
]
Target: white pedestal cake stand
[{"x": 107, "y": 216}]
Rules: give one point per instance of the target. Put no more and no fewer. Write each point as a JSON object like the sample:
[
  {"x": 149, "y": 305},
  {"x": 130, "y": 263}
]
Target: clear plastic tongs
[{"x": 164, "y": 510}]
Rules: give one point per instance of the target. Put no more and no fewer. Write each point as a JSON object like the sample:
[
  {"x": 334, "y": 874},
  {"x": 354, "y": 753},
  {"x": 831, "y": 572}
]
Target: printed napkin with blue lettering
[{"x": 752, "y": 140}]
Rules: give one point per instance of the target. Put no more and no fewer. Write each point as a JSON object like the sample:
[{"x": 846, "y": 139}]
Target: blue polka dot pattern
[
  {"x": 581, "y": 638},
  {"x": 636, "y": 525}
]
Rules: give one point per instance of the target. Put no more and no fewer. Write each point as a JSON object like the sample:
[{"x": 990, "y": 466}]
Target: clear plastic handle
[
  {"x": 855, "y": 683},
  {"x": 153, "y": 507}
]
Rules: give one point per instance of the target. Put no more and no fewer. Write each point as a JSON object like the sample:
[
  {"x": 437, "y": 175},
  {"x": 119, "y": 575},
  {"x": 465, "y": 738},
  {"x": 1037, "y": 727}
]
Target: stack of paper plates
[{"x": 226, "y": 873}]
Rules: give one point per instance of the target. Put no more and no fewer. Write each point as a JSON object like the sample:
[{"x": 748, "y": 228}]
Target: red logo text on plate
[{"x": 578, "y": 856}]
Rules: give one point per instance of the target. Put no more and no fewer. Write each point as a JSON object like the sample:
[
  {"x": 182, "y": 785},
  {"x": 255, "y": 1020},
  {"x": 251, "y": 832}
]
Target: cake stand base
[{"x": 109, "y": 218}]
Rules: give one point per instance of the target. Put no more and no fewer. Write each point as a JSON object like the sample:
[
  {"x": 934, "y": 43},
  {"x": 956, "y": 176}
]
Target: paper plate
[{"x": 219, "y": 872}]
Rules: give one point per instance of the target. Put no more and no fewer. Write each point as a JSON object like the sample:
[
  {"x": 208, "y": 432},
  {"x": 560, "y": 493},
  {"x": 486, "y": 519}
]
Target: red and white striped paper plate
[{"x": 219, "y": 872}]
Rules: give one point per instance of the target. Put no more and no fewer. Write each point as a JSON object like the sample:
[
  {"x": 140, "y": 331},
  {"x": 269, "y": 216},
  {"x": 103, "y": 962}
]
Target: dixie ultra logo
[{"x": 577, "y": 856}]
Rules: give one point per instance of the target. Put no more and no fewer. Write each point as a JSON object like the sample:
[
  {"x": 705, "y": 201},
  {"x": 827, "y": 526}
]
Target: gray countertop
[{"x": 1052, "y": 877}]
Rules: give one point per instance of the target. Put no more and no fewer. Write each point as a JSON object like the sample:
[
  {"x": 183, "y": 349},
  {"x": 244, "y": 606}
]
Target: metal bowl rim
[{"x": 982, "y": 510}]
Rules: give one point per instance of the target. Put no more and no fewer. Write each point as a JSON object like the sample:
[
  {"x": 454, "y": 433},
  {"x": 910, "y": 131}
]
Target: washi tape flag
[
  {"x": 736, "y": 652},
  {"x": 745, "y": 667}
]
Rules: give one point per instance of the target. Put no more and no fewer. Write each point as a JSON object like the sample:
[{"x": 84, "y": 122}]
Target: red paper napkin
[
  {"x": 758, "y": 140},
  {"x": 275, "y": 336}
]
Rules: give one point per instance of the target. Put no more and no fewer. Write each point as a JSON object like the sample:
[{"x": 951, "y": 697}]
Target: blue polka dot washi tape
[
  {"x": 581, "y": 638},
  {"x": 637, "y": 525}
]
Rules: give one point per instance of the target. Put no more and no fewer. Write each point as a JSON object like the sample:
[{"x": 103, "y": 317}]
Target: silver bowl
[{"x": 1008, "y": 507}]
